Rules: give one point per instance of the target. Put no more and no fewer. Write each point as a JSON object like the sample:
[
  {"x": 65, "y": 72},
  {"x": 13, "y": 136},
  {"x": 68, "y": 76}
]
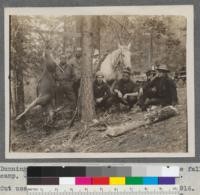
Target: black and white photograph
[{"x": 99, "y": 82}]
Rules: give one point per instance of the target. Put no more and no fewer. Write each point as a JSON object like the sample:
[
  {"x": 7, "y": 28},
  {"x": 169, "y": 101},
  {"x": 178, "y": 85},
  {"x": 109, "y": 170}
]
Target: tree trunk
[
  {"x": 79, "y": 29},
  {"x": 87, "y": 99},
  {"x": 65, "y": 36},
  {"x": 96, "y": 29},
  {"x": 151, "y": 49},
  {"x": 17, "y": 43}
]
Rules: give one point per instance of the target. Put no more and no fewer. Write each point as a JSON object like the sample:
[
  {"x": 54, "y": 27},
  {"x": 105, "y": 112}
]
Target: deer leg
[
  {"x": 51, "y": 116},
  {"x": 112, "y": 86},
  {"x": 33, "y": 104}
]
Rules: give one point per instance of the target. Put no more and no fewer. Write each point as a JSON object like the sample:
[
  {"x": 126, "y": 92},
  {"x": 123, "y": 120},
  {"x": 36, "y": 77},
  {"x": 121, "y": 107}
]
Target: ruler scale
[
  {"x": 106, "y": 193},
  {"x": 96, "y": 190}
]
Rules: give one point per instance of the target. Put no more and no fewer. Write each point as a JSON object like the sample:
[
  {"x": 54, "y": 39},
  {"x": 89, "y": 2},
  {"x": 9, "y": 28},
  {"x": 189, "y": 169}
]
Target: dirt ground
[{"x": 166, "y": 136}]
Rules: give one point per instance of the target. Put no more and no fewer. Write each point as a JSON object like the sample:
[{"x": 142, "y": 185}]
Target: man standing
[
  {"x": 66, "y": 79},
  {"x": 102, "y": 95},
  {"x": 161, "y": 90},
  {"x": 126, "y": 91}
]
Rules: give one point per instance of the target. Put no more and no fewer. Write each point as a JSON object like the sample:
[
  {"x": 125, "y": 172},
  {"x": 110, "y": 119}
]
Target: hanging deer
[{"x": 46, "y": 87}]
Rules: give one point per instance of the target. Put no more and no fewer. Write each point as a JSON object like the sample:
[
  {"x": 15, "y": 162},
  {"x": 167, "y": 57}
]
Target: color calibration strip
[
  {"x": 101, "y": 176},
  {"x": 101, "y": 181}
]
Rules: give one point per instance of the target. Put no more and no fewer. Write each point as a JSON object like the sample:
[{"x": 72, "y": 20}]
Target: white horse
[{"x": 115, "y": 62}]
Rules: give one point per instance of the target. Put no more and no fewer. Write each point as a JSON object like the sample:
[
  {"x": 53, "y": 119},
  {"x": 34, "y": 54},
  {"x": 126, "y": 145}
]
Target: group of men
[{"x": 158, "y": 89}]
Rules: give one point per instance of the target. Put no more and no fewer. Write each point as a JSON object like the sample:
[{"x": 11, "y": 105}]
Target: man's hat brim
[
  {"x": 163, "y": 69},
  {"x": 126, "y": 72},
  {"x": 99, "y": 76},
  {"x": 150, "y": 71}
]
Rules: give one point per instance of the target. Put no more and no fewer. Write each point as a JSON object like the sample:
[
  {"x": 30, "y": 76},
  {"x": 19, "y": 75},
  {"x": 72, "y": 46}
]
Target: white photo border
[{"x": 180, "y": 10}]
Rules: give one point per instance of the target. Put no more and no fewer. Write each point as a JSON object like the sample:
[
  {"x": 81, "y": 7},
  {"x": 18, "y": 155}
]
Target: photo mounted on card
[{"x": 99, "y": 82}]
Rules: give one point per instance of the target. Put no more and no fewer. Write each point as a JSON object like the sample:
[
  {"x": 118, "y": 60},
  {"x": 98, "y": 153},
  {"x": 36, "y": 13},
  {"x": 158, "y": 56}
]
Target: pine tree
[{"x": 87, "y": 99}]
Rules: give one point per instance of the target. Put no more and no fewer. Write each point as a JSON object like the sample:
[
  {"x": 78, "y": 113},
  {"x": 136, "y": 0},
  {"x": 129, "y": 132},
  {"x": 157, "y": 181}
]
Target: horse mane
[
  {"x": 112, "y": 57},
  {"x": 101, "y": 60},
  {"x": 107, "y": 65}
]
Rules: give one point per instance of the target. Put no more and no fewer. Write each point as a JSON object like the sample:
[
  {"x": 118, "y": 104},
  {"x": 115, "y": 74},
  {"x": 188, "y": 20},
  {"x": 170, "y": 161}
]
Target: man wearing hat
[
  {"x": 102, "y": 95},
  {"x": 126, "y": 91},
  {"x": 95, "y": 59},
  {"x": 150, "y": 74},
  {"x": 66, "y": 78},
  {"x": 78, "y": 52},
  {"x": 146, "y": 90},
  {"x": 161, "y": 90}
]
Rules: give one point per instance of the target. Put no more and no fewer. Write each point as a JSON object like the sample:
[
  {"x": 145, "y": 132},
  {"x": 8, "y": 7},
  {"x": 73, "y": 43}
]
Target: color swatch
[
  {"x": 117, "y": 181},
  {"x": 100, "y": 181}
]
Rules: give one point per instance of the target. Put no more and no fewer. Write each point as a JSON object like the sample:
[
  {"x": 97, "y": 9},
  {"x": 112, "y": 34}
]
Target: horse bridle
[{"x": 117, "y": 66}]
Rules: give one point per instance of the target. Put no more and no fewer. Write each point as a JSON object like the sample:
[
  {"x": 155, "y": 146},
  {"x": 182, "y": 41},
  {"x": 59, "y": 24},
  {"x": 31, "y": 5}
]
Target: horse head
[
  {"x": 116, "y": 61},
  {"x": 124, "y": 56}
]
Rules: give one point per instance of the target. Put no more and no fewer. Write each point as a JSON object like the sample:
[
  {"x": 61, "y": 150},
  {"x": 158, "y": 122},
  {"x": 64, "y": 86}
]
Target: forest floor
[{"x": 168, "y": 136}]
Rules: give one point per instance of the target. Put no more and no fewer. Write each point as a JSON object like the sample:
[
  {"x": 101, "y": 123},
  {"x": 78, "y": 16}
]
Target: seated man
[
  {"x": 102, "y": 95},
  {"x": 146, "y": 90},
  {"x": 126, "y": 91},
  {"x": 150, "y": 75},
  {"x": 161, "y": 90}
]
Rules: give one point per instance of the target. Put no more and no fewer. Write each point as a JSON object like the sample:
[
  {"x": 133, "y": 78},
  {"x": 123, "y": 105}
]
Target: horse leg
[{"x": 33, "y": 104}]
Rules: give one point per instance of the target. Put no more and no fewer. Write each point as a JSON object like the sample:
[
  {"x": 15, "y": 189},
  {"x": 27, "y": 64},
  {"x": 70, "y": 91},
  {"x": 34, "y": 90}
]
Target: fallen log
[
  {"x": 117, "y": 130},
  {"x": 161, "y": 114},
  {"x": 150, "y": 118}
]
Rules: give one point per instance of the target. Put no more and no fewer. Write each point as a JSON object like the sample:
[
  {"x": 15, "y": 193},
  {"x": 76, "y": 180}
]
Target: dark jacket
[
  {"x": 126, "y": 86},
  {"x": 165, "y": 89},
  {"x": 101, "y": 90},
  {"x": 68, "y": 75}
]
